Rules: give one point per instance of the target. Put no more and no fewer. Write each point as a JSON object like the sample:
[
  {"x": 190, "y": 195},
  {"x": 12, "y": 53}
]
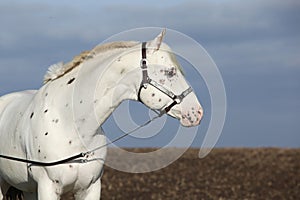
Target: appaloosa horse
[{"x": 62, "y": 118}]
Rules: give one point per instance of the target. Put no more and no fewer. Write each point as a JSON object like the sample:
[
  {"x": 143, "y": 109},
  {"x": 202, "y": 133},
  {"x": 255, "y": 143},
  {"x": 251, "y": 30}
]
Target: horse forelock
[{"x": 60, "y": 69}]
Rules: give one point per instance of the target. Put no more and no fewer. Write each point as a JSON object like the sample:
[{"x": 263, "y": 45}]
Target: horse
[{"x": 52, "y": 123}]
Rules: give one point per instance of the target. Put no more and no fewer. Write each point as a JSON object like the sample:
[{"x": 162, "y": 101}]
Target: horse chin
[
  {"x": 187, "y": 123},
  {"x": 190, "y": 121}
]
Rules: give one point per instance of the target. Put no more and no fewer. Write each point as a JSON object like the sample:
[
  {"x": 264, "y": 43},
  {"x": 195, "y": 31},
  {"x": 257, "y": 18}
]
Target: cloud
[{"x": 209, "y": 21}]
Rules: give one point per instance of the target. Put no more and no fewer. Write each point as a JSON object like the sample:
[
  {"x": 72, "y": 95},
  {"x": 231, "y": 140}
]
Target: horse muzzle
[{"x": 192, "y": 117}]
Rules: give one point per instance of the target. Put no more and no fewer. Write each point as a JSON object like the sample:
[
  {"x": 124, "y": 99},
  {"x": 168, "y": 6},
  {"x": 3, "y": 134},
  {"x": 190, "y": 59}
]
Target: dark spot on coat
[
  {"x": 81, "y": 102},
  {"x": 162, "y": 81},
  {"x": 67, "y": 104},
  {"x": 46, "y": 94},
  {"x": 70, "y": 142},
  {"x": 45, "y": 111},
  {"x": 46, "y": 133},
  {"x": 31, "y": 115},
  {"x": 70, "y": 166},
  {"x": 71, "y": 81},
  {"x": 159, "y": 100},
  {"x": 152, "y": 94},
  {"x": 122, "y": 71},
  {"x": 39, "y": 151},
  {"x": 57, "y": 120},
  {"x": 170, "y": 72}
]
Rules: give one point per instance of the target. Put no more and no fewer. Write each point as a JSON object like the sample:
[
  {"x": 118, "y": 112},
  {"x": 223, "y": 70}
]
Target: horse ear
[{"x": 154, "y": 45}]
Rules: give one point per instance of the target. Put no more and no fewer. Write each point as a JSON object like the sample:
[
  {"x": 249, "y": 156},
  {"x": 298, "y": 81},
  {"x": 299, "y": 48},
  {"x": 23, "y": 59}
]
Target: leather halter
[{"x": 177, "y": 99}]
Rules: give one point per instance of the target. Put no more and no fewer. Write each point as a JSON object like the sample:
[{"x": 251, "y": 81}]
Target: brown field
[{"x": 267, "y": 173}]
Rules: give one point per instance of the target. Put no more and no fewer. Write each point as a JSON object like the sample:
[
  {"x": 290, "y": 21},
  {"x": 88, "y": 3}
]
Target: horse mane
[{"x": 60, "y": 69}]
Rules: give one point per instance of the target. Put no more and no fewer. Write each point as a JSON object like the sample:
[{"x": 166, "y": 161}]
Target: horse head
[{"x": 164, "y": 87}]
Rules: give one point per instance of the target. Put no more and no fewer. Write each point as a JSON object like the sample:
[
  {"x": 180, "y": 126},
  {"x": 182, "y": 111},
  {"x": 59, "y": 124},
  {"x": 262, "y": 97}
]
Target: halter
[{"x": 177, "y": 99}]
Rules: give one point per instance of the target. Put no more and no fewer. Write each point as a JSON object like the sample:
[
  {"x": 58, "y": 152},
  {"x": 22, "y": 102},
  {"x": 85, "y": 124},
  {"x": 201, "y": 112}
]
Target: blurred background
[{"x": 255, "y": 44}]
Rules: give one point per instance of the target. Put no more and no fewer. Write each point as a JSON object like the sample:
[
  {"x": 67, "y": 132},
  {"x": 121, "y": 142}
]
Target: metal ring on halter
[{"x": 144, "y": 63}]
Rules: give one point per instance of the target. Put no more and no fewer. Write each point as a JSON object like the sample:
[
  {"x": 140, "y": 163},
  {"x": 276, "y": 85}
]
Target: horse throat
[{"x": 112, "y": 90}]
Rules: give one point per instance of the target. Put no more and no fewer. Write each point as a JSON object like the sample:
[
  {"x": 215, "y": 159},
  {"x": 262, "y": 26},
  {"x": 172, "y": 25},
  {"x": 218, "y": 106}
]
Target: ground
[{"x": 266, "y": 173}]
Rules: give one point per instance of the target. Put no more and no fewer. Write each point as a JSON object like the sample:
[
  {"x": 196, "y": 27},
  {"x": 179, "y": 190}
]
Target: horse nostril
[{"x": 200, "y": 111}]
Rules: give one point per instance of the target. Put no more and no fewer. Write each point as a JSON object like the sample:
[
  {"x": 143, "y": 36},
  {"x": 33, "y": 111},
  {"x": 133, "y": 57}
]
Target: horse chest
[{"x": 72, "y": 177}]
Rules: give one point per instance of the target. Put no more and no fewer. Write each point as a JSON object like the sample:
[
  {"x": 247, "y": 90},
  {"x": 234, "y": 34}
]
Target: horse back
[{"x": 7, "y": 99}]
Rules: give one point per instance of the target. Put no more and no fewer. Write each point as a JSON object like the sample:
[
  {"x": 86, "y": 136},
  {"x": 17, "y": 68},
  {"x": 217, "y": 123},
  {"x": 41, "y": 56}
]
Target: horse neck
[{"x": 103, "y": 83}]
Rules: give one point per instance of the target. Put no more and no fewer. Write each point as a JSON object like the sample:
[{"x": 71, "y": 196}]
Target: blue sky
[{"x": 255, "y": 44}]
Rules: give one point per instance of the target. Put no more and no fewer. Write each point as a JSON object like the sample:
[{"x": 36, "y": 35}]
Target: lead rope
[
  {"x": 45, "y": 164},
  {"x": 124, "y": 135}
]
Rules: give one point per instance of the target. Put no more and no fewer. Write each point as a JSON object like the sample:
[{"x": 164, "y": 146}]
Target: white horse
[{"x": 40, "y": 125}]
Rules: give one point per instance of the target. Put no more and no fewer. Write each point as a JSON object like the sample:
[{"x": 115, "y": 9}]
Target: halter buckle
[
  {"x": 144, "y": 63},
  {"x": 145, "y": 85},
  {"x": 178, "y": 99}
]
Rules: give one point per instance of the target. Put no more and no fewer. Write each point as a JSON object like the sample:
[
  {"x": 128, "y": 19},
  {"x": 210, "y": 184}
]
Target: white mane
[{"x": 60, "y": 69}]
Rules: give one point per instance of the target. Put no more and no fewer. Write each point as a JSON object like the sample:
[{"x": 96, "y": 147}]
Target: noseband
[{"x": 177, "y": 99}]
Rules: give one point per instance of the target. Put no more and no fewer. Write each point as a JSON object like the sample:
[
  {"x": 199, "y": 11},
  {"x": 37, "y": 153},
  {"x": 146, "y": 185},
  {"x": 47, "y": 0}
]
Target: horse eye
[{"x": 170, "y": 72}]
